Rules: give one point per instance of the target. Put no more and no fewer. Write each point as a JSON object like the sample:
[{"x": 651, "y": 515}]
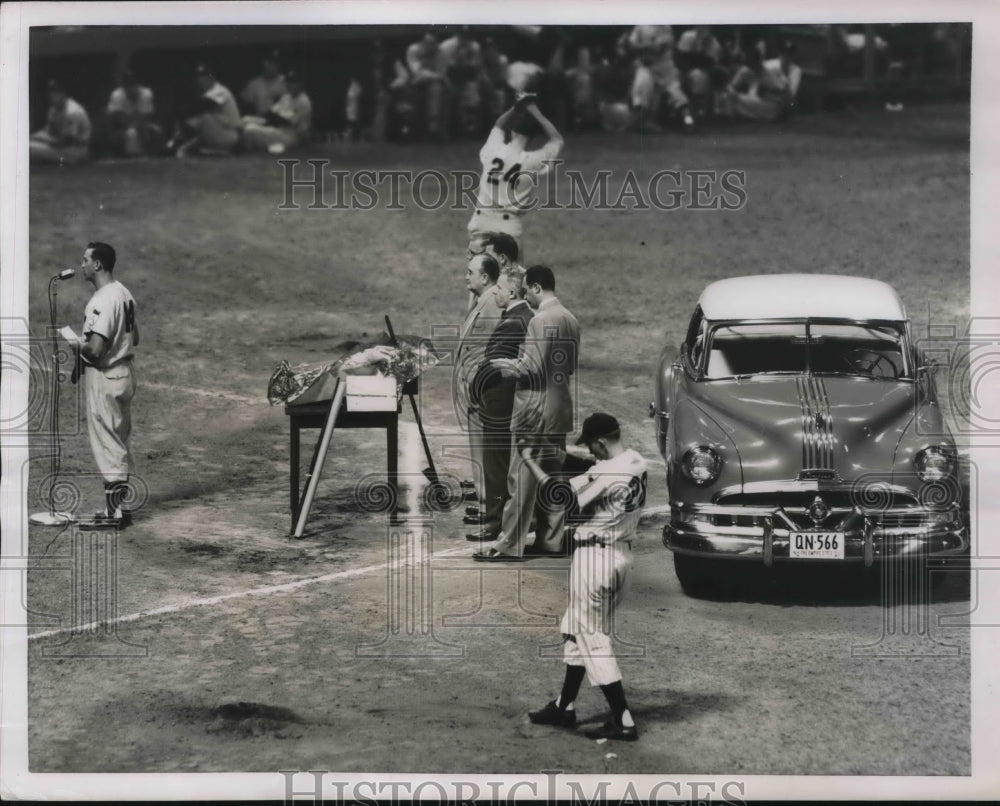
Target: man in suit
[
  {"x": 480, "y": 278},
  {"x": 493, "y": 396},
  {"x": 542, "y": 416}
]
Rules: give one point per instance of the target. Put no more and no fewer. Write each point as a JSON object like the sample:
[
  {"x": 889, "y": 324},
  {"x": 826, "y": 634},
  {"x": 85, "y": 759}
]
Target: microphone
[{"x": 65, "y": 274}]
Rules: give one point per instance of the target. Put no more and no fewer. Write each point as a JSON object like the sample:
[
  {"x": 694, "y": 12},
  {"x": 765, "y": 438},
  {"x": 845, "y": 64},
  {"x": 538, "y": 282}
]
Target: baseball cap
[{"x": 596, "y": 426}]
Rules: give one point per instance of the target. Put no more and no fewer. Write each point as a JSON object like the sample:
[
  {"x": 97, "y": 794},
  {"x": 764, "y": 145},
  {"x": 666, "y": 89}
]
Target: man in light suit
[
  {"x": 481, "y": 320},
  {"x": 542, "y": 417}
]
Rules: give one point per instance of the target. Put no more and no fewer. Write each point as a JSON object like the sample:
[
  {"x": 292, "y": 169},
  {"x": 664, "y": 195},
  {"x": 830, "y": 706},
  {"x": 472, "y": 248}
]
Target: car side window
[{"x": 696, "y": 339}]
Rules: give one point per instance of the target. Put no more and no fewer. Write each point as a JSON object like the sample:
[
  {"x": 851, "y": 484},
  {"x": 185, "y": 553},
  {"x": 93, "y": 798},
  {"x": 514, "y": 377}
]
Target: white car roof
[{"x": 797, "y": 296}]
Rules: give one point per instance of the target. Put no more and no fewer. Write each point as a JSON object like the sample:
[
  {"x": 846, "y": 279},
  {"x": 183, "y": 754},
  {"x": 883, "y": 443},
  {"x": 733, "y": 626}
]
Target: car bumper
[{"x": 764, "y": 534}]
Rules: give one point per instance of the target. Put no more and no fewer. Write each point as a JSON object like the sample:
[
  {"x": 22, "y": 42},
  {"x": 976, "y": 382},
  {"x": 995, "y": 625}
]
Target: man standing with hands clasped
[
  {"x": 542, "y": 415},
  {"x": 480, "y": 277},
  {"x": 604, "y": 505},
  {"x": 104, "y": 355}
]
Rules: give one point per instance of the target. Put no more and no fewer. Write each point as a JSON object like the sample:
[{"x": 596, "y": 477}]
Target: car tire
[{"x": 698, "y": 576}]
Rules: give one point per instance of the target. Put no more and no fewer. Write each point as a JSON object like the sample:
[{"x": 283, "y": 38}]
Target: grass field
[{"x": 227, "y": 285}]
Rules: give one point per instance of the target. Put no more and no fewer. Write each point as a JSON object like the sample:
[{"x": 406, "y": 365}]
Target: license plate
[{"x": 816, "y": 546}]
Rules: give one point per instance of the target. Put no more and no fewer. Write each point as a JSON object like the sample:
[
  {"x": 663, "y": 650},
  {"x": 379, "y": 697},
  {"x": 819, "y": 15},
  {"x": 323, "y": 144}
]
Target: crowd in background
[{"x": 442, "y": 86}]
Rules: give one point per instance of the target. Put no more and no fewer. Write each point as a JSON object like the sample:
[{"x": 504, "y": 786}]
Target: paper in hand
[{"x": 69, "y": 334}]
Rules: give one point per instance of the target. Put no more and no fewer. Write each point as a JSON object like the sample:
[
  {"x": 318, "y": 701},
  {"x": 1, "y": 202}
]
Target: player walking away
[
  {"x": 510, "y": 173},
  {"x": 606, "y": 504},
  {"x": 104, "y": 354}
]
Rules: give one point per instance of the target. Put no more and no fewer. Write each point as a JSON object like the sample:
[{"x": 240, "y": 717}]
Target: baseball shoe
[
  {"x": 553, "y": 715},
  {"x": 473, "y": 512},
  {"x": 472, "y": 520},
  {"x": 615, "y": 731}
]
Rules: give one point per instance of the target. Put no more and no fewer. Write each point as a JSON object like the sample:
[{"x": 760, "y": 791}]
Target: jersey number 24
[{"x": 512, "y": 175}]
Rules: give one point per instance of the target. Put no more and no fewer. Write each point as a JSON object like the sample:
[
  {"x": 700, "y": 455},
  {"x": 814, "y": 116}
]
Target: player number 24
[{"x": 511, "y": 176}]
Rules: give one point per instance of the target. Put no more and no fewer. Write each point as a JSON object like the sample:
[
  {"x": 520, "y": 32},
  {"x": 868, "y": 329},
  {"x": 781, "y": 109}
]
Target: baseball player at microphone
[{"x": 105, "y": 351}]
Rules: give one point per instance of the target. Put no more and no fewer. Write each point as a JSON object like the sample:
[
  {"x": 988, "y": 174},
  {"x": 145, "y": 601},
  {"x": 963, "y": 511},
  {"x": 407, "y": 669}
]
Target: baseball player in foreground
[
  {"x": 104, "y": 355},
  {"x": 605, "y": 504}
]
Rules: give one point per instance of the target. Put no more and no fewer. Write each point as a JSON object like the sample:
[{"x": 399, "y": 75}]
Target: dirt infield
[{"x": 367, "y": 648}]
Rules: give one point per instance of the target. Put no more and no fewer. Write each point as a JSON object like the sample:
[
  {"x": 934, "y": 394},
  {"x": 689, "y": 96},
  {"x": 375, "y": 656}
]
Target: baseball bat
[{"x": 324, "y": 445}]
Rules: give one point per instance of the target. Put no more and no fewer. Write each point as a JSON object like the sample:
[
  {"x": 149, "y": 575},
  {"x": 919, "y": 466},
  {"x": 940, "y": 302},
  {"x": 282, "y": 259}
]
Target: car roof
[{"x": 799, "y": 296}]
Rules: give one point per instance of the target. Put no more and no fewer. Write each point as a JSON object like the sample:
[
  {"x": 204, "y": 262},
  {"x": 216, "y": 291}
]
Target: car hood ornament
[{"x": 818, "y": 511}]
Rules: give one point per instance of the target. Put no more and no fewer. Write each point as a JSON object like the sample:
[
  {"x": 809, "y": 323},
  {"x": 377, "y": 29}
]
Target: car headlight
[
  {"x": 701, "y": 465},
  {"x": 934, "y": 463}
]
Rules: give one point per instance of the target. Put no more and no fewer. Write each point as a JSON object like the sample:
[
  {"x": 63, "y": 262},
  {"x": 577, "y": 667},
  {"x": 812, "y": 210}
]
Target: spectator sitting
[
  {"x": 352, "y": 110},
  {"x": 462, "y": 58},
  {"x": 285, "y": 126},
  {"x": 495, "y": 72},
  {"x": 763, "y": 90},
  {"x": 523, "y": 76},
  {"x": 656, "y": 76},
  {"x": 699, "y": 57},
  {"x": 581, "y": 90},
  {"x": 780, "y": 80},
  {"x": 65, "y": 140},
  {"x": 215, "y": 127},
  {"x": 427, "y": 76},
  {"x": 262, "y": 92},
  {"x": 132, "y": 130}
]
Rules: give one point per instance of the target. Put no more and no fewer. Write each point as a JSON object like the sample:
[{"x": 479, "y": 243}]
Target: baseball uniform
[
  {"x": 542, "y": 414},
  {"x": 261, "y": 93},
  {"x": 132, "y": 129},
  {"x": 602, "y": 562},
  {"x": 656, "y": 71},
  {"x": 296, "y": 113},
  {"x": 220, "y": 127},
  {"x": 110, "y": 383},
  {"x": 508, "y": 182},
  {"x": 66, "y": 136}
]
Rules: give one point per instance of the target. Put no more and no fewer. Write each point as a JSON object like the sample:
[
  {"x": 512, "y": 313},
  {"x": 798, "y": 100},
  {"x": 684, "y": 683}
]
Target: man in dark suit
[
  {"x": 493, "y": 395},
  {"x": 542, "y": 416},
  {"x": 480, "y": 277}
]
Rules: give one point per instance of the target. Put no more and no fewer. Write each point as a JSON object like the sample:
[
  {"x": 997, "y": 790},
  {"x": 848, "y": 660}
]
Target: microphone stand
[{"x": 53, "y": 518}]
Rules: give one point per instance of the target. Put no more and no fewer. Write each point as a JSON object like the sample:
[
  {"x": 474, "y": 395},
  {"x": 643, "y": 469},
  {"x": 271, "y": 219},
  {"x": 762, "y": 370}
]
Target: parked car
[{"x": 799, "y": 425}]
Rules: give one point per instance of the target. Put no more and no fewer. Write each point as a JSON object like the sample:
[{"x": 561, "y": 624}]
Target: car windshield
[{"x": 863, "y": 350}]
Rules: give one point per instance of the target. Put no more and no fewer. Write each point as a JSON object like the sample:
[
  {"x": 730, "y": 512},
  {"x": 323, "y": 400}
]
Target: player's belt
[
  {"x": 507, "y": 214},
  {"x": 601, "y": 542}
]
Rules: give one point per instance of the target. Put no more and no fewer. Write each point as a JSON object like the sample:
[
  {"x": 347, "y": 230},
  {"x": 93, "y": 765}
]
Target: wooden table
[{"x": 314, "y": 415}]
